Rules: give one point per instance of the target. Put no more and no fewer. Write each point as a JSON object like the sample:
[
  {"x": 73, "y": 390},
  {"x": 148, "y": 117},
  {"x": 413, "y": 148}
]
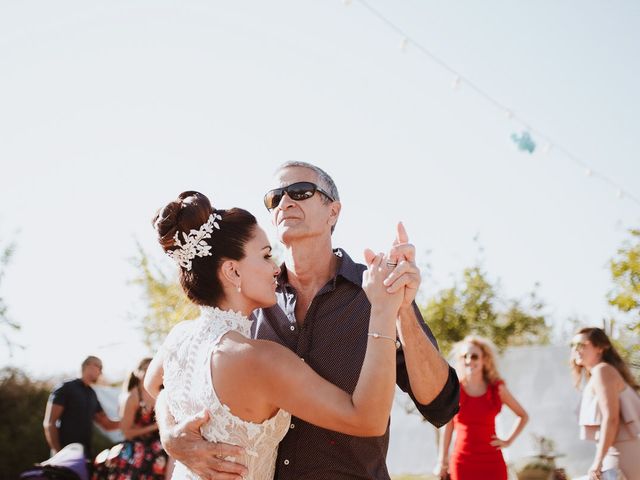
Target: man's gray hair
[
  {"x": 91, "y": 359},
  {"x": 324, "y": 179}
]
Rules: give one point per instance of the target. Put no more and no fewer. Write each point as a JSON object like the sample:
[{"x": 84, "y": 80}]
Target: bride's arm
[
  {"x": 282, "y": 380},
  {"x": 155, "y": 373}
]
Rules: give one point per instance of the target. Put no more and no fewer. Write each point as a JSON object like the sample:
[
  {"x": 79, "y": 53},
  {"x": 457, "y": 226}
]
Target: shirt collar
[{"x": 347, "y": 269}]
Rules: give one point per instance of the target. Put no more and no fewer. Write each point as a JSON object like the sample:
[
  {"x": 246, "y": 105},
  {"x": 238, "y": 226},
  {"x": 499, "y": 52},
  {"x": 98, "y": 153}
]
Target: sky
[{"x": 108, "y": 110}]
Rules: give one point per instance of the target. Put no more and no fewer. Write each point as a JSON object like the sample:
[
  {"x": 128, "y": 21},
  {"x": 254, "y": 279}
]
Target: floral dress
[{"x": 141, "y": 458}]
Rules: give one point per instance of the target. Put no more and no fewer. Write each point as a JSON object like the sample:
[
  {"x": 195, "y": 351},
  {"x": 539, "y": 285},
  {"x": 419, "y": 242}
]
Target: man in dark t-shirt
[{"x": 73, "y": 407}]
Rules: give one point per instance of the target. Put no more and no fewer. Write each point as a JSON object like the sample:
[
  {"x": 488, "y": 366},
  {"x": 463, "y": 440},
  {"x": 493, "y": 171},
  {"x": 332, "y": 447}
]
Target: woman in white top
[
  {"x": 250, "y": 387},
  {"x": 610, "y": 407}
]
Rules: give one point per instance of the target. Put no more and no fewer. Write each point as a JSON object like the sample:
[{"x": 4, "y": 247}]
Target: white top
[
  {"x": 590, "y": 416},
  {"x": 189, "y": 389}
]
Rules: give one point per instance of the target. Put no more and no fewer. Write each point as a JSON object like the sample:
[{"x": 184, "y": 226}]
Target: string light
[{"x": 621, "y": 193}]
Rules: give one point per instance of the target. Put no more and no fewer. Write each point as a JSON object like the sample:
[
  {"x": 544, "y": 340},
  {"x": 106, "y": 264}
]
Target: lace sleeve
[{"x": 174, "y": 338}]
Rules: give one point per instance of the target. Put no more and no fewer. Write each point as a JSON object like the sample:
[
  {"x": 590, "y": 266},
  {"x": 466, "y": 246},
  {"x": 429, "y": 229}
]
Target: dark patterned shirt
[{"x": 333, "y": 340}]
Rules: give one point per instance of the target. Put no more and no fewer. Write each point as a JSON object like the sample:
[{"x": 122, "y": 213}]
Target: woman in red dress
[{"x": 477, "y": 452}]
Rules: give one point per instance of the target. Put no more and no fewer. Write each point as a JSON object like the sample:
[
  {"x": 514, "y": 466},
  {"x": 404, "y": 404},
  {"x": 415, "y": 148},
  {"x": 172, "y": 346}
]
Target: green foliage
[
  {"x": 474, "y": 308},
  {"x": 625, "y": 272},
  {"x": 22, "y": 406},
  {"x": 6, "y": 324},
  {"x": 166, "y": 303}
]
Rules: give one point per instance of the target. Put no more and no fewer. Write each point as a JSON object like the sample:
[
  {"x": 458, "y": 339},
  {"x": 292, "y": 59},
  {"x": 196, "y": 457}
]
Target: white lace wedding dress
[{"x": 187, "y": 381}]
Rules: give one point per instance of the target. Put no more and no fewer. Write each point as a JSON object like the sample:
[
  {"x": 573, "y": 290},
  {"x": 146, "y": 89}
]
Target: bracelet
[{"x": 379, "y": 335}]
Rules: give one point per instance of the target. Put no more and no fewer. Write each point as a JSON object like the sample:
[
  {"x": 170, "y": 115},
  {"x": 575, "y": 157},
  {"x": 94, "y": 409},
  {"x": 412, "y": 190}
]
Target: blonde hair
[{"x": 489, "y": 369}]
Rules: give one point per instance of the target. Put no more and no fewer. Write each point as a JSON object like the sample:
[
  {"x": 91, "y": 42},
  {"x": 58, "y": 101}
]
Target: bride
[{"x": 251, "y": 387}]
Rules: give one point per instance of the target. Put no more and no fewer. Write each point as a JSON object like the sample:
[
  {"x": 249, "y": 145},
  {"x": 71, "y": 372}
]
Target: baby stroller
[{"x": 68, "y": 464}]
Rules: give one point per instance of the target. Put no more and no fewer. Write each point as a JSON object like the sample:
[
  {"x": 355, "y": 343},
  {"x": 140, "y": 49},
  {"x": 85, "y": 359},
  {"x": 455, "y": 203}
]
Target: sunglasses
[
  {"x": 578, "y": 345},
  {"x": 297, "y": 191},
  {"x": 470, "y": 356}
]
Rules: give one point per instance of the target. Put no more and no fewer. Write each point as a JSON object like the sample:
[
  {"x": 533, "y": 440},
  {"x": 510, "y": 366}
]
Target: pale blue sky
[{"x": 110, "y": 109}]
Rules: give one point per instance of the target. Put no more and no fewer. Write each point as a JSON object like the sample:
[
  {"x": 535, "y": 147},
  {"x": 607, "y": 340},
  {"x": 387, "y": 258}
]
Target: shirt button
[
  {"x": 286, "y": 462},
  {"x": 292, "y": 328},
  {"x": 292, "y": 426}
]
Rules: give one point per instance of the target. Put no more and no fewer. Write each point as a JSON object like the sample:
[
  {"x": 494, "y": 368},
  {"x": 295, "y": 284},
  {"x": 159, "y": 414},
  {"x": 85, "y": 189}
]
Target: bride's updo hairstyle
[{"x": 189, "y": 212}]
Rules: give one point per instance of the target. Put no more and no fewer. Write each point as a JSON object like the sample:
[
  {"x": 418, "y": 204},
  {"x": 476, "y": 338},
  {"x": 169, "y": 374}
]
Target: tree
[
  {"x": 22, "y": 405},
  {"x": 625, "y": 272},
  {"x": 7, "y": 326},
  {"x": 166, "y": 303},
  {"x": 474, "y": 308}
]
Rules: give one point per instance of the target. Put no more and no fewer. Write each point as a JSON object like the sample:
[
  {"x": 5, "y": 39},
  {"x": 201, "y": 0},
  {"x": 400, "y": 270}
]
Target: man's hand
[
  {"x": 184, "y": 442},
  {"x": 406, "y": 274}
]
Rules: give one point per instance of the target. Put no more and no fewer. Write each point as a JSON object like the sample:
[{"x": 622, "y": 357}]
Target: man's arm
[
  {"x": 51, "y": 415},
  {"x": 184, "y": 442},
  {"x": 422, "y": 371},
  {"x": 105, "y": 422}
]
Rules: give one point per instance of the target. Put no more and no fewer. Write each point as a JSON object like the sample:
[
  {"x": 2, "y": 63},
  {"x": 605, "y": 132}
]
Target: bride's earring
[{"x": 239, "y": 288}]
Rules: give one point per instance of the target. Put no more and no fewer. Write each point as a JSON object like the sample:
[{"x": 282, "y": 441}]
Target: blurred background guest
[
  {"x": 610, "y": 407},
  {"x": 477, "y": 452},
  {"x": 73, "y": 407},
  {"x": 141, "y": 455}
]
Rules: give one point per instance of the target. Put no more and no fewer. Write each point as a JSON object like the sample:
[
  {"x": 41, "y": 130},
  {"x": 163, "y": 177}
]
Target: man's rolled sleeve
[{"x": 446, "y": 404}]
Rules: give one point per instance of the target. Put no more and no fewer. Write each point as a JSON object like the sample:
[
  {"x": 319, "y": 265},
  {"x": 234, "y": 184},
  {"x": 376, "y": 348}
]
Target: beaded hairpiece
[{"x": 194, "y": 243}]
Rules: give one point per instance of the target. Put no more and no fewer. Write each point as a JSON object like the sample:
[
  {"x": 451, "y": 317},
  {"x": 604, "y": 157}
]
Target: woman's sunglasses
[
  {"x": 297, "y": 191},
  {"x": 578, "y": 345},
  {"x": 470, "y": 356}
]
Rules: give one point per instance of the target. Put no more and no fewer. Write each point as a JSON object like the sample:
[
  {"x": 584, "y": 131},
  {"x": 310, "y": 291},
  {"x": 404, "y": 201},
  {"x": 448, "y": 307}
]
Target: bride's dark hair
[{"x": 189, "y": 212}]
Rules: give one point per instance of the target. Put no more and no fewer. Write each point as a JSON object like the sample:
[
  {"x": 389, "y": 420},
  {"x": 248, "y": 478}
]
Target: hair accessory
[{"x": 194, "y": 243}]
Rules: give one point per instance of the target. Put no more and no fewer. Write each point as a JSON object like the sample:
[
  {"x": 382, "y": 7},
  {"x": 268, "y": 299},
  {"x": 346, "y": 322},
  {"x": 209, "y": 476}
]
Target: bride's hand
[
  {"x": 406, "y": 275},
  {"x": 374, "y": 286}
]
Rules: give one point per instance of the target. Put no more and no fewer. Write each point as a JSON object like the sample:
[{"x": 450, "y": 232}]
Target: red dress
[{"x": 473, "y": 456}]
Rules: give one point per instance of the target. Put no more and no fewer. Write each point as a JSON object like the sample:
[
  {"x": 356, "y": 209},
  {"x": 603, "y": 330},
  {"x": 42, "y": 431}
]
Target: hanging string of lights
[{"x": 525, "y": 142}]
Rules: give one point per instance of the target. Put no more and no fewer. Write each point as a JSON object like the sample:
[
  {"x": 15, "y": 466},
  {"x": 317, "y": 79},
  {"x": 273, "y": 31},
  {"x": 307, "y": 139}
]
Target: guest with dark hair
[
  {"x": 251, "y": 387},
  {"x": 73, "y": 407},
  {"x": 141, "y": 455},
  {"x": 610, "y": 407}
]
